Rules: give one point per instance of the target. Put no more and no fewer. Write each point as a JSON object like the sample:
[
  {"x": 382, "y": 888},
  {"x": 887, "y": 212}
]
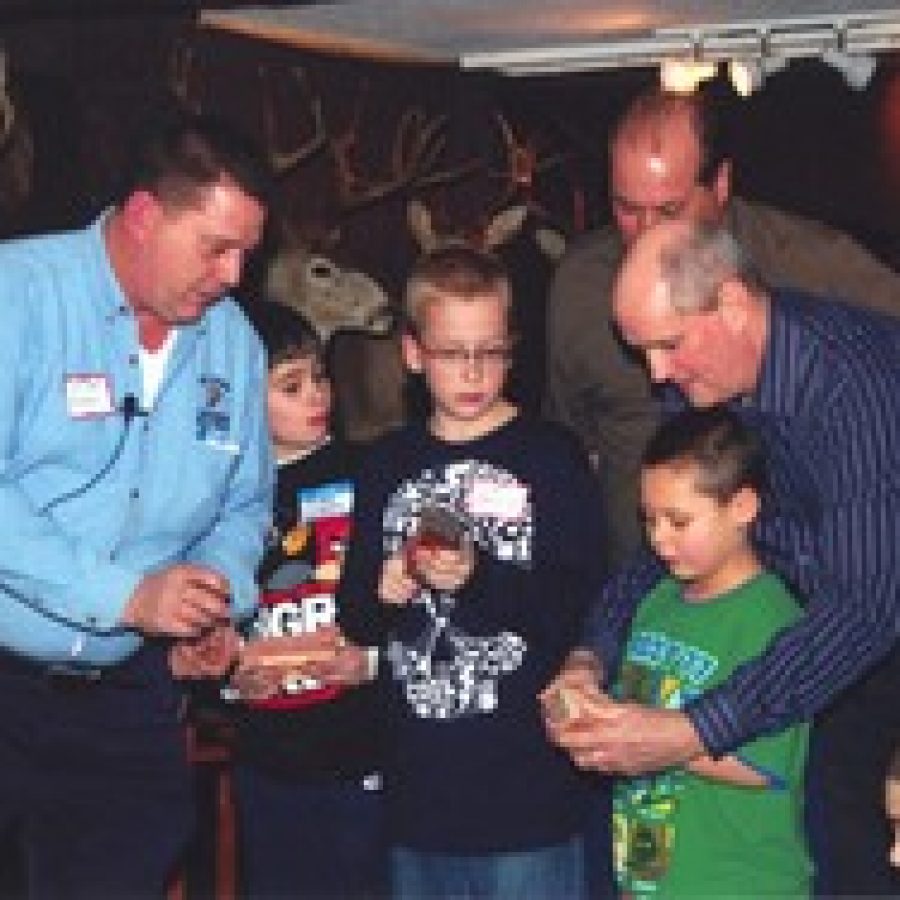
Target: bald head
[
  {"x": 685, "y": 261},
  {"x": 656, "y": 117},
  {"x": 686, "y": 298},
  {"x": 666, "y": 163}
]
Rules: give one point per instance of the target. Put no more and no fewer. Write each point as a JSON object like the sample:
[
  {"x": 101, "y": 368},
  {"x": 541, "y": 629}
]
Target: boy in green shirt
[{"x": 729, "y": 827}]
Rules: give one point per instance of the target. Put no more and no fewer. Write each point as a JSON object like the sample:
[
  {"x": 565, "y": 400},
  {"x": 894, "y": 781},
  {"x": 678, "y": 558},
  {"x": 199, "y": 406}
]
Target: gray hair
[{"x": 694, "y": 266}]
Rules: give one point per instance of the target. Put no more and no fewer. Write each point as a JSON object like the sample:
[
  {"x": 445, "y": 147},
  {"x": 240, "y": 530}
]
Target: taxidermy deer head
[{"x": 331, "y": 298}]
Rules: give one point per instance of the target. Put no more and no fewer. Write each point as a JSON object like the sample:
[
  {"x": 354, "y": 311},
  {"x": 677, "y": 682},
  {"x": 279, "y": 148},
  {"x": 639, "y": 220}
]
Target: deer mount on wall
[
  {"x": 414, "y": 161},
  {"x": 507, "y": 215},
  {"x": 412, "y": 164},
  {"x": 331, "y": 298},
  {"x": 354, "y": 173},
  {"x": 500, "y": 228}
]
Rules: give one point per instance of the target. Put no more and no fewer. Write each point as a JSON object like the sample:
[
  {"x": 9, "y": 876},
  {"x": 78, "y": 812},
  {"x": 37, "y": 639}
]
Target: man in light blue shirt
[{"x": 135, "y": 491}]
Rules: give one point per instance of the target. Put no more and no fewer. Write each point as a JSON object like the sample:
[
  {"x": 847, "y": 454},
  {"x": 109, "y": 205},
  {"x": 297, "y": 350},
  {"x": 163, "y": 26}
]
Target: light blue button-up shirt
[{"x": 90, "y": 504}]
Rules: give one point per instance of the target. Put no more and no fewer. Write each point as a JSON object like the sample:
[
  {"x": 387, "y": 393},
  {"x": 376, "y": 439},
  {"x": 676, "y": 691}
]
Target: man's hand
[
  {"x": 609, "y": 736},
  {"x": 209, "y": 656},
  {"x": 349, "y": 667},
  {"x": 582, "y": 670},
  {"x": 181, "y": 601},
  {"x": 266, "y": 664}
]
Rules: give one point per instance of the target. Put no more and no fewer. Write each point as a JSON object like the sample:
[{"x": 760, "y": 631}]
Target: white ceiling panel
[{"x": 526, "y": 36}]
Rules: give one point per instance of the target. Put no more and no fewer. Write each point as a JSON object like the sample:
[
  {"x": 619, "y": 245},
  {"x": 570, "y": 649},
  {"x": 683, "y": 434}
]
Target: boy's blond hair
[{"x": 459, "y": 271}]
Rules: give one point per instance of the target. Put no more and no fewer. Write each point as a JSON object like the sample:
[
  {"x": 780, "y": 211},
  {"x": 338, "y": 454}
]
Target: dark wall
[{"x": 805, "y": 142}]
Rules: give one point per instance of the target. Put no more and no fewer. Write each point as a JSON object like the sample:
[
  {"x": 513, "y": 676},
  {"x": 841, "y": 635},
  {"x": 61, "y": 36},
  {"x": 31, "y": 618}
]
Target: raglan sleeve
[{"x": 361, "y": 615}]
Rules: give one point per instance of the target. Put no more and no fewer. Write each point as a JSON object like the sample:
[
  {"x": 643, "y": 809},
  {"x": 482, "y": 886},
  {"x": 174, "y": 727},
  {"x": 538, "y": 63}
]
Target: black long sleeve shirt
[{"x": 470, "y": 769}]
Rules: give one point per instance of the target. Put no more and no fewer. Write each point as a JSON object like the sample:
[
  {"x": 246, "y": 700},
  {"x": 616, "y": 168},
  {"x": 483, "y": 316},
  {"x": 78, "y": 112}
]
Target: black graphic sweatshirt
[
  {"x": 309, "y": 732},
  {"x": 469, "y": 768}
]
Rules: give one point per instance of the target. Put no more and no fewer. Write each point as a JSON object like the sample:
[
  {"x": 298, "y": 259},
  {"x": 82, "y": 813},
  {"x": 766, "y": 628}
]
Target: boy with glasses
[{"x": 476, "y": 549}]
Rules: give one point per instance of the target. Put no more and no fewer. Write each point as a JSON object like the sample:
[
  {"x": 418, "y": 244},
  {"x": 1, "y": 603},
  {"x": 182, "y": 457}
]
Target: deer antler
[
  {"x": 283, "y": 162},
  {"x": 7, "y": 109},
  {"x": 180, "y": 67},
  {"x": 523, "y": 162},
  {"x": 506, "y": 216},
  {"x": 419, "y": 143},
  {"x": 418, "y": 147}
]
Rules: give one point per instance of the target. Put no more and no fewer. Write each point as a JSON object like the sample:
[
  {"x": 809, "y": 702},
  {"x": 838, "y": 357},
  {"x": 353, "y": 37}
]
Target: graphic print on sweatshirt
[
  {"x": 663, "y": 672},
  {"x": 445, "y": 672},
  {"x": 303, "y": 563}
]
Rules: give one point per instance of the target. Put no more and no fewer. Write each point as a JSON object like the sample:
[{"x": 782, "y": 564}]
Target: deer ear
[
  {"x": 505, "y": 225},
  {"x": 420, "y": 225}
]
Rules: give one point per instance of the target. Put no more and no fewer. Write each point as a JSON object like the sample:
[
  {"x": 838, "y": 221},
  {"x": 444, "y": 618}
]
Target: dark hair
[
  {"x": 728, "y": 454},
  {"x": 285, "y": 334},
  {"x": 711, "y": 126},
  {"x": 182, "y": 153},
  {"x": 458, "y": 270},
  {"x": 708, "y": 121}
]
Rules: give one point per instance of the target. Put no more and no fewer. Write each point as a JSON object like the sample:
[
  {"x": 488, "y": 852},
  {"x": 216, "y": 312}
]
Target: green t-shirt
[{"x": 681, "y": 835}]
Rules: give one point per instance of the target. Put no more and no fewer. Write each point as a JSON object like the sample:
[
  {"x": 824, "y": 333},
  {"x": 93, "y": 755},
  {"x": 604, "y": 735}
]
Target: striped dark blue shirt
[{"x": 828, "y": 409}]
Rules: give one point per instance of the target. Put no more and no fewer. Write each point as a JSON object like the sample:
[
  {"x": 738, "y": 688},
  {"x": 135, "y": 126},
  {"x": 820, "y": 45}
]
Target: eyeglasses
[{"x": 493, "y": 357}]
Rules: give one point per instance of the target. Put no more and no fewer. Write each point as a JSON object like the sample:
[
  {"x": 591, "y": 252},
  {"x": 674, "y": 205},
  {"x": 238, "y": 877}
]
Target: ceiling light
[
  {"x": 857, "y": 68},
  {"x": 745, "y": 75},
  {"x": 684, "y": 76}
]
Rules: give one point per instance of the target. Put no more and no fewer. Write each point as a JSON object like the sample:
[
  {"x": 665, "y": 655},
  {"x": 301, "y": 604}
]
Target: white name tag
[
  {"x": 88, "y": 395},
  {"x": 488, "y": 499},
  {"x": 326, "y": 501}
]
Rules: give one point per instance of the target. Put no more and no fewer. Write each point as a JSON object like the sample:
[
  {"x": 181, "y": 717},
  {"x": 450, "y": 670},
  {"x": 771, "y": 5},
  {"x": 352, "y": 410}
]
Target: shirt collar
[
  {"x": 113, "y": 298},
  {"x": 304, "y": 454}
]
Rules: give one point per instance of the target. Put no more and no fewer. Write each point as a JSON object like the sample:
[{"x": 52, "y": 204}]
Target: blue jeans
[{"x": 547, "y": 873}]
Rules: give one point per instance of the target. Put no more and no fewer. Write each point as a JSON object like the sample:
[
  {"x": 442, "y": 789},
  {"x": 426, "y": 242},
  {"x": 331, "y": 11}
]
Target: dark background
[{"x": 83, "y": 79}]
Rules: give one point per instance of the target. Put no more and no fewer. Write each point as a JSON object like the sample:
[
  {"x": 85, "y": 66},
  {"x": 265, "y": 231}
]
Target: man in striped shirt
[{"x": 821, "y": 383}]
